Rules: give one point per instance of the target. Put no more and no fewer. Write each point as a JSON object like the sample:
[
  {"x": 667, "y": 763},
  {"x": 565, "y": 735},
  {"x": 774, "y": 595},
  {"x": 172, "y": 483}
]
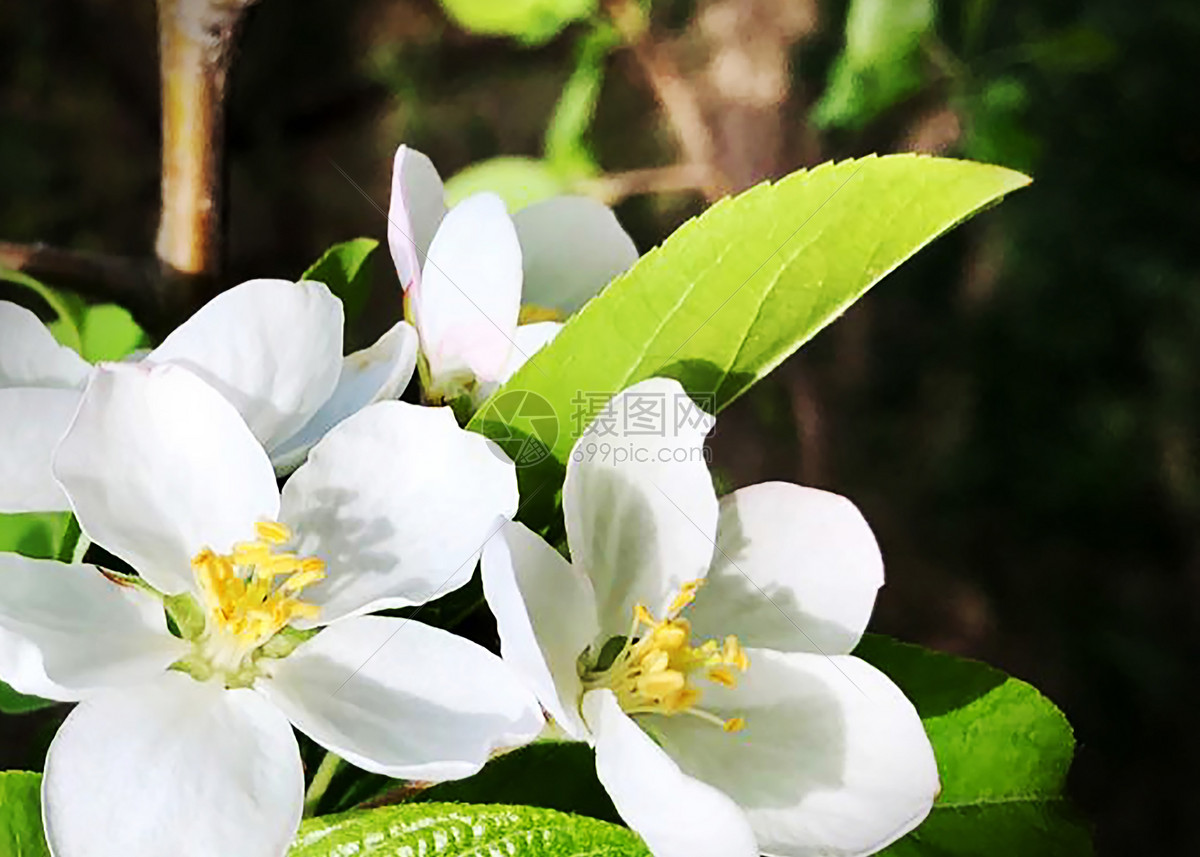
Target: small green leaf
[
  {"x": 108, "y": 332},
  {"x": 343, "y": 268},
  {"x": 463, "y": 830},
  {"x": 12, "y": 702},
  {"x": 21, "y": 815},
  {"x": 530, "y": 21},
  {"x": 36, "y": 534},
  {"x": 881, "y": 63},
  {"x": 519, "y": 181},
  {"x": 735, "y": 291},
  {"x": 1003, "y": 751},
  {"x": 67, "y": 331}
]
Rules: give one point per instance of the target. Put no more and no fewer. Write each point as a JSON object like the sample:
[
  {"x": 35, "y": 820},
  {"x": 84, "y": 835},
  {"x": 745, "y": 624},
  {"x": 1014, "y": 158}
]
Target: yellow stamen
[
  {"x": 654, "y": 671},
  {"x": 250, "y": 593}
]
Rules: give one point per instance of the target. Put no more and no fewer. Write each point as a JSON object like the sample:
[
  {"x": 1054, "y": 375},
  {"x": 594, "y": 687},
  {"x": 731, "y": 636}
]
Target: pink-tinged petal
[{"x": 417, "y": 206}]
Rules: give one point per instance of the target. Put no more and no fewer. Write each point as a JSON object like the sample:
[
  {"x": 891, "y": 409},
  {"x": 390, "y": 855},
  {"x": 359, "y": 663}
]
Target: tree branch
[
  {"x": 195, "y": 49},
  {"x": 130, "y": 282}
]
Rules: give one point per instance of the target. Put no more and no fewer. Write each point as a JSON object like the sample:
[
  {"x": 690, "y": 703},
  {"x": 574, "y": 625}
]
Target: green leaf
[
  {"x": 459, "y": 830},
  {"x": 12, "y": 702},
  {"x": 518, "y": 181},
  {"x": 1003, "y": 751},
  {"x": 108, "y": 332},
  {"x": 558, "y": 775},
  {"x": 530, "y": 21},
  {"x": 21, "y": 815},
  {"x": 881, "y": 63},
  {"x": 67, "y": 332},
  {"x": 735, "y": 291},
  {"x": 343, "y": 268}
]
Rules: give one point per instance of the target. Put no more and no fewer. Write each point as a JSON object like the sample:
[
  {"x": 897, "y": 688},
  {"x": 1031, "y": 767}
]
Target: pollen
[
  {"x": 658, "y": 669},
  {"x": 251, "y": 593}
]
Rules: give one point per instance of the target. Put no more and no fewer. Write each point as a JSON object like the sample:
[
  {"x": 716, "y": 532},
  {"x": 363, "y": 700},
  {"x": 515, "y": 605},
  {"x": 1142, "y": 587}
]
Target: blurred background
[{"x": 1016, "y": 410}]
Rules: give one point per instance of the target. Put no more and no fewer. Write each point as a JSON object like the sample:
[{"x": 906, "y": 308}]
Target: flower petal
[
  {"x": 400, "y": 698},
  {"x": 546, "y": 615},
  {"x": 572, "y": 247},
  {"x": 640, "y": 508},
  {"x": 677, "y": 815},
  {"x": 796, "y": 570},
  {"x": 30, "y": 356},
  {"x": 89, "y": 632},
  {"x": 373, "y": 374},
  {"x": 470, "y": 295},
  {"x": 417, "y": 207},
  {"x": 21, "y": 669},
  {"x": 159, "y": 465},
  {"x": 528, "y": 341},
  {"x": 175, "y": 767},
  {"x": 398, "y": 501},
  {"x": 833, "y": 759},
  {"x": 32, "y": 421},
  {"x": 272, "y": 347}
]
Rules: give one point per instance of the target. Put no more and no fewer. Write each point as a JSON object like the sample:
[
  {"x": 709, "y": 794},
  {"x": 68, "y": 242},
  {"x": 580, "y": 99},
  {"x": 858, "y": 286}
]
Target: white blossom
[
  {"x": 272, "y": 347},
  {"x": 702, "y": 648},
  {"x": 182, "y": 742}
]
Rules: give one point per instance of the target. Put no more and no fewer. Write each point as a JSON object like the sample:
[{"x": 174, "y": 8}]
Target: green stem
[{"x": 320, "y": 783}]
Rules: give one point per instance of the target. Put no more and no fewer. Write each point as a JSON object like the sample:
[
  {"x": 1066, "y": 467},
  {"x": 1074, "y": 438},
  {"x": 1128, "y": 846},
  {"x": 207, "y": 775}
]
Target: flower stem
[{"x": 320, "y": 783}]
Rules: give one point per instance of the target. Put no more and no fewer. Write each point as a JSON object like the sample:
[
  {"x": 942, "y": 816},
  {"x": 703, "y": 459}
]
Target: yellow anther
[
  {"x": 531, "y": 313},
  {"x": 655, "y": 669},
  {"x": 734, "y": 724},
  {"x": 723, "y": 676},
  {"x": 250, "y": 592},
  {"x": 273, "y": 532}
]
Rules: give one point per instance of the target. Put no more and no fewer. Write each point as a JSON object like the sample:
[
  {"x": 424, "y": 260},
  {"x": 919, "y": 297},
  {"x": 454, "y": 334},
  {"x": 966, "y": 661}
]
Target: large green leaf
[
  {"x": 530, "y": 21},
  {"x": 343, "y": 268},
  {"x": 1003, "y": 751},
  {"x": 67, "y": 331},
  {"x": 21, "y": 815},
  {"x": 459, "y": 830},
  {"x": 735, "y": 291},
  {"x": 881, "y": 63}
]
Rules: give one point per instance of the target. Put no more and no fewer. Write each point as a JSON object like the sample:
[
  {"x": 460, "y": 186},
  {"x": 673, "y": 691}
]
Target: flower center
[
  {"x": 655, "y": 669},
  {"x": 250, "y": 595}
]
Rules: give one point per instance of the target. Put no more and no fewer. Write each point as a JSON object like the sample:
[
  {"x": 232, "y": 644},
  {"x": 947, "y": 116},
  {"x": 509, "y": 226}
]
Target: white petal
[
  {"x": 528, "y": 341},
  {"x": 403, "y": 699},
  {"x": 373, "y": 374},
  {"x": 175, "y": 767},
  {"x": 158, "y": 465},
  {"x": 470, "y": 294},
  {"x": 90, "y": 633},
  {"x": 29, "y": 355},
  {"x": 677, "y": 815},
  {"x": 272, "y": 347},
  {"x": 833, "y": 759},
  {"x": 21, "y": 669},
  {"x": 546, "y": 615},
  {"x": 796, "y": 570},
  {"x": 398, "y": 501},
  {"x": 640, "y": 508},
  {"x": 572, "y": 247},
  {"x": 32, "y": 421},
  {"x": 417, "y": 207}
]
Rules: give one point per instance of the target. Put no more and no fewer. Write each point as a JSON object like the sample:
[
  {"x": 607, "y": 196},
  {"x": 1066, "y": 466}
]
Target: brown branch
[
  {"x": 614, "y": 187},
  {"x": 195, "y": 49},
  {"x": 99, "y": 276}
]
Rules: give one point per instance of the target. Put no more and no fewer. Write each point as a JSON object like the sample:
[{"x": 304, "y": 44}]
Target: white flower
[
  {"x": 466, "y": 273},
  {"x": 702, "y": 648},
  {"x": 272, "y": 347},
  {"x": 183, "y": 745}
]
